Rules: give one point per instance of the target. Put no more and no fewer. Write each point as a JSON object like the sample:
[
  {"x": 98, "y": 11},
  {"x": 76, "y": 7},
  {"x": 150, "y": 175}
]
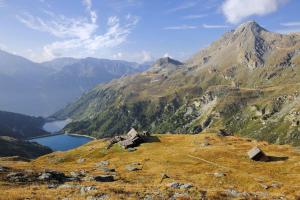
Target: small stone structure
[
  {"x": 257, "y": 154},
  {"x": 130, "y": 140}
]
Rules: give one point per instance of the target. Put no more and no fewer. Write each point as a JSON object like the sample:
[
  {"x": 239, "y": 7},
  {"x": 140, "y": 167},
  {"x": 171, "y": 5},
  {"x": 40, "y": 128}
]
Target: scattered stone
[
  {"x": 219, "y": 174},
  {"x": 51, "y": 175},
  {"x": 78, "y": 175},
  {"x": 163, "y": 177},
  {"x": 257, "y": 154},
  {"x": 87, "y": 189},
  {"x": 81, "y": 160},
  {"x": 174, "y": 185},
  {"x": 224, "y": 133},
  {"x": 58, "y": 160},
  {"x": 3, "y": 169},
  {"x": 107, "y": 170},
  {"x": 104, "y": 178},
  {"x": 16, "y": 177},
  {"x": 177, "y": 185},
  {"x": 68, "y": 186},
  {"x": 180, "y": 196},
  {"x": 131, "y": 149},
  {"x": 98, "y": 197},
  {"x": 264, "y": 186},
  {"x": 132, "y": 168},
  {"x": 276, "y": 185},
  {"x": 232, "y": 193},
  {"x": 52, "y": 186},
  {"x": 148, "y": 197},
  {"x": 186, "y": 186},
  {"x": 102, "y": 163},
  {"x": 88, "y": 178},
  {"x": 204, "y": 144}
]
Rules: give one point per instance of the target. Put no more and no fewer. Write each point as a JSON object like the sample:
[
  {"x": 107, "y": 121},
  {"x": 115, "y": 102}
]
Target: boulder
[
  {"x": 186, "y": 186},
  {"x": 80, "y": 160},
  {"x": 174, "y": 185},
  {"x": 224, "y": 133},
  {"x": 3, "y": 169},
  {"x": 51, "y": 175},
  {"x": 104, "y": 178},
  {"x": 102, "y": 163},
  {"x": 16, "y": 177},
  {"x": 131, "y": 149},
  {"x": 107, "y": 170},
  {"x": 133, "y": 167}
]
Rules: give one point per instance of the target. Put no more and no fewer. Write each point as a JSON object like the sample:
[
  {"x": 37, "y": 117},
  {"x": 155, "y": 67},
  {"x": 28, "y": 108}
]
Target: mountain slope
[
  {"x": 20, "y": 126},
  {"x": 246, "y": 83},
  {"x": 14, "y": 147},
  {"x": 220, "y": 169}
]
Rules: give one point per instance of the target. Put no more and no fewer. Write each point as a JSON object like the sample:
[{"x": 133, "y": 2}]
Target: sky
[{"x": 133, "y": 30}]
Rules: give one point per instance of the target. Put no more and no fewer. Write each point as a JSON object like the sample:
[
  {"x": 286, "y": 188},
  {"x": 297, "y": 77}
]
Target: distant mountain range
[
  {"x": 41, "y": 89},
  {"x": 246, "y": 83}
]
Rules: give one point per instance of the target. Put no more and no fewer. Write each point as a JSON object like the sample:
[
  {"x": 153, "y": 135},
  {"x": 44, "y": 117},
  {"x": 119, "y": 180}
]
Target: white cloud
[
  {"x": 194, "y": 16},
  {"x": 181, "y": 27},
  {"x": 118, "y": 55},
  {"x": 214, "y": 26},
  {"x": 60, "y": 26},
  {"x": 115, "y": 35},
  {"x": 167, "y": 55},
  {"x": 3, "y": 47},
  {"x": 93, "y": 15},
  {"x": 237, "y": 10},
  {"x": 290, "y": 24},
  {"x": 140, "y": 57},
  {"x": 184, "y": 6},
  {"x": 79, "y": 34},
  {"x": 88, "y": 4}
]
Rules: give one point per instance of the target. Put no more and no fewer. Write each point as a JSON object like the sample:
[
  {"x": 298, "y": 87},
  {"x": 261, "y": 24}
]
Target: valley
[{"x": 221, "y": 124}]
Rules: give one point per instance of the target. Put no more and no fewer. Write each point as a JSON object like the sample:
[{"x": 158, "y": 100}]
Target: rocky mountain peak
[{"x": 249, "y": 27}]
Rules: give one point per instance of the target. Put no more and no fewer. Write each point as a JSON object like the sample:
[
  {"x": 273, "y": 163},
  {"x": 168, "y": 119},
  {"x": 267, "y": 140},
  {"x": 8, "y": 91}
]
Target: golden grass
[{"x": 175, "y": 155}]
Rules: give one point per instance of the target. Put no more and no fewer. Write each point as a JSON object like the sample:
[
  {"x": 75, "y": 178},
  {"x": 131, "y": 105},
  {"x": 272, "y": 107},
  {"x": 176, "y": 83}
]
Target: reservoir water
[{"x": 60, "y": 142}]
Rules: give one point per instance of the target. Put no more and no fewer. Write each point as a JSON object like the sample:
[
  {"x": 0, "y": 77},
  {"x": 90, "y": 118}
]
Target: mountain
[
  {"x": 246, "y": 83},
  {"x": 59, "y": 63},
  {"x": 14, "y": 147},
  {"x": 20, "y": 81},
  {"x": 20, "y": 126},
  {"x": 41, "y": 89}
]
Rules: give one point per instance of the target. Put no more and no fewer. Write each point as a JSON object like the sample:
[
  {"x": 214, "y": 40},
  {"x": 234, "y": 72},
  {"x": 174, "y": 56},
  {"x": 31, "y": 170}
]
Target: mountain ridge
[{"x": 240, "y": 83}]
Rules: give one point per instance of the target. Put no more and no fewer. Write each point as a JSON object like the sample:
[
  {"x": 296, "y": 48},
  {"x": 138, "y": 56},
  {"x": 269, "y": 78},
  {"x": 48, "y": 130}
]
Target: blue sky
[{"x": 135, "y": 30}]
